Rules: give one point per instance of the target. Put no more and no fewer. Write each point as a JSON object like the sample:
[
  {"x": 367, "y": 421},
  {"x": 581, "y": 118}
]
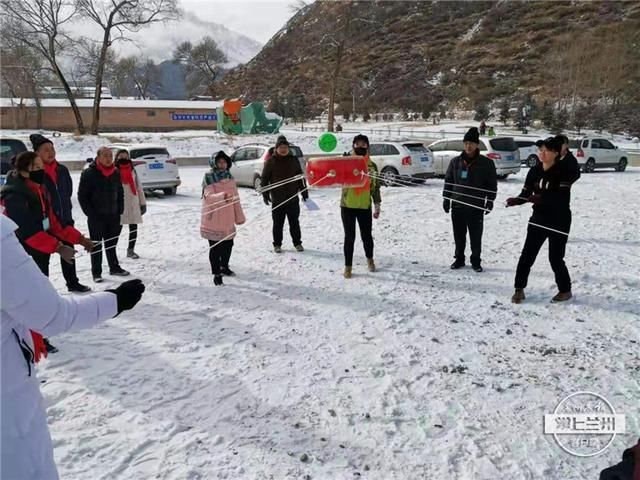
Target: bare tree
[
  {"x": 39, "y": 24},
  {"x": 202, "y": 62},
  {"x": 116, "y": 18}
]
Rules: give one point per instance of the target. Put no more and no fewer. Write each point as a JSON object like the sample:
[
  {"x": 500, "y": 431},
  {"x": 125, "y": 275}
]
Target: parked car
[
  {"x": 502, "y": 150},
  {"x": 528, "y": 151},
  {"x": 402, "y": 161},
  {"x": 248, "y": 163},
  {"x": 598, "y": 152},
  {"x": 154, "y": 165},
  {"x": 9, "y": 147}
]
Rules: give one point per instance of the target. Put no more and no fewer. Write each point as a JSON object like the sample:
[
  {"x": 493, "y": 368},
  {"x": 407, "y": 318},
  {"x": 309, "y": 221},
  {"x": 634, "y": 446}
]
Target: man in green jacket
[{"x": 355, "y": 207}]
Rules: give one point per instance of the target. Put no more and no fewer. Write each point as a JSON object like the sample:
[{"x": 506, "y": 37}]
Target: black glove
[
  {"x": 305, "y": 196},
  {"x": 446, "y": 205},
  {"x": 267, "y": 200},
  {"x": 489, "y": 207},
  {"x": 143, "y": 209},
  {"x": 128, "y": 293},
  {"x": 536, "y": 198}
]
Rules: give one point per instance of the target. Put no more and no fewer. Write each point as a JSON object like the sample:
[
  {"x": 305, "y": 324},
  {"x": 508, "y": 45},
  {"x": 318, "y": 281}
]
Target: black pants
[
  {"x": 468, "y": 219},
  {"x": 557, "y": 247},
  {"x": 105, "y": 229},
  {"x": 219, "y": 255},
  {"x": 290, "y": 212},
  {"x": 349, "y": 218},
  {"x": 43, "y": 260},
  {"x": 133, "y": 235}
]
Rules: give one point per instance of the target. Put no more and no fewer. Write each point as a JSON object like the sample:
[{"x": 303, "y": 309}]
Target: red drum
[{"x": 337, "y": 172}]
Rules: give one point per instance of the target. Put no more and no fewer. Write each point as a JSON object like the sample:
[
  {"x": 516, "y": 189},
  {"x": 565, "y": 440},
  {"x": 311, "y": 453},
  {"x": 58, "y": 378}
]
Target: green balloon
[{"x": 327, "y": 142}]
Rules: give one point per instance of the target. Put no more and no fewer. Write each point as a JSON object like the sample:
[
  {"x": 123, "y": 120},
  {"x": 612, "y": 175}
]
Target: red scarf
[
  {"x": 51, "y": 170},
  {"x": 106, "y": 171},
  {"x": 126, "y": 175}
]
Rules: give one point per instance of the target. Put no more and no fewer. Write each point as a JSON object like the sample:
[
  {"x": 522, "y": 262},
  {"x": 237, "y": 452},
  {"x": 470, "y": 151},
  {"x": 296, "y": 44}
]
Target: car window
[
  {"x": 375, "y": 149},
  {"x": 574, "y": 144},
  {"x": 482, "y": 146},
  {"x": 260, "y": 152},
  {"x": 585, "y": 143},
  {"x": 437, "y": 147},
  {"x": 239, "y": 155},
  {"x": 390, "y": 150},
  {"x": 607, "y": 144},
  {"x": 596, "y": 143},
  {"x": 416, "y": 147},
  {"x": 143, "y": 152},
  {"x": 524, "y": 143},
  {"x": 503, "y": 144},
  {"x": 9, "y": 148},
  {"x": 455, "y": 145}
]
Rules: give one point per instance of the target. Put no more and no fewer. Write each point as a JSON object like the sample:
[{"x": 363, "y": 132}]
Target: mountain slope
[{"x": 408, "y": 54}]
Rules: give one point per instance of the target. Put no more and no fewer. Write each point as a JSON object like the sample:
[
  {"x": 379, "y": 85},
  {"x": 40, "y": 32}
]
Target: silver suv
[
  {"x": 597, "y": 152},
  {"x": 248, "y": 163}
]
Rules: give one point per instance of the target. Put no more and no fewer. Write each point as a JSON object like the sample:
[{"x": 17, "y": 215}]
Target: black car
[{"x": 9, "y": 148}]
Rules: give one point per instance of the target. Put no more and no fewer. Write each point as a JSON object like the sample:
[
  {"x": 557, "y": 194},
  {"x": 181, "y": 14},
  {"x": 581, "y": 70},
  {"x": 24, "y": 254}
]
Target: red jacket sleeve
[
  {"x": 68, "y": 234},
  {"x": 42, "y": 242}
]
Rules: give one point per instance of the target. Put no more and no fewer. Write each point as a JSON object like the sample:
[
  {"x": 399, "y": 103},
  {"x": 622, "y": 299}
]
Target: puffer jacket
[
  {"x": 100, "y": 196},
  {"x": 26, "y": 451},
  {"x": 219, "y": 217}
]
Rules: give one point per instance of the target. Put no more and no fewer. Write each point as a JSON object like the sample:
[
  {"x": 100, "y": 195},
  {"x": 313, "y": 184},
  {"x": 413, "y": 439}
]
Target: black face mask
[
  {"x": 124, "y": 161},
  {"x": 37, "y": 176},
  {"x": 360, "y": 151}
]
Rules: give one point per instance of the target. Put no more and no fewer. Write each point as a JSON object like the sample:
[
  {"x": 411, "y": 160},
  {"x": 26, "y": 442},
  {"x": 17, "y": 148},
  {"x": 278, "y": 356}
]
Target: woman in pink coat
[{"x": 221, "y": 212}]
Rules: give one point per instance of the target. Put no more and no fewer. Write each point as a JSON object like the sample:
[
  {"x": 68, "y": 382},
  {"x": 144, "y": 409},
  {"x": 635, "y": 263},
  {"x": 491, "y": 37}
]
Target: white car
[
  {"x": 402, "y": 161},
  {"x": 502, "y": 150},
  {"x": 154, "y": 165},
  {"x": 597, "y": 152},
  {"x": 248, "y": 163},
  {"x": 528, "y": 151}
]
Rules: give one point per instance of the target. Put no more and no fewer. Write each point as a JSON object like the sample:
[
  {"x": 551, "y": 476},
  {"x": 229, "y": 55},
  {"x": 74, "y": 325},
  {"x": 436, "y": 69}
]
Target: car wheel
[
  {"x": 389, "y": 176},
  {"x": 622, "y": 165},
  {"x": 590, "y": 166},
  {"x": 169, "y": 192},
  {"x": 532, "y": 161},
  {"x": 257, "y": 183}
]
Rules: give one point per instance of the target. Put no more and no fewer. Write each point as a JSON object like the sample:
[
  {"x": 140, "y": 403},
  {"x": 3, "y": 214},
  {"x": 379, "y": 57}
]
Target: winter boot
[
  {"x": 561, "y": 297},
  {"x": 347, "y": 272},
  {"x": 227, "y": 272},
  {"x": 217, "y": 280},
  {"x": 371, "y": 264},
  {"x": 78, "y": 288},
  {"x": 277, "y": 249},
  {"x": 518, "y": 296},
  {"x": 457, "y": 264},
  {"x": 477, "y": 268},
  {"x": 119, "y": 272},
  {"x": 299, "y": 248},
  {"x": 132, "y": 254}
]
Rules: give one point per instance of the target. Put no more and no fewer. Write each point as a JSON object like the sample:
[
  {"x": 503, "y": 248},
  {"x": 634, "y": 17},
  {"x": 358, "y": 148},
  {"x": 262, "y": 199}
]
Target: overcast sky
[{"x": 257, "y": 19}]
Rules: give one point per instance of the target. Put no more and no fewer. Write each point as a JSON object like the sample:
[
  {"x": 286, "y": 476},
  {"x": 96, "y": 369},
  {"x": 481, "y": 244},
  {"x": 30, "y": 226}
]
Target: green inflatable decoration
[{"x": 327, "y": 142}]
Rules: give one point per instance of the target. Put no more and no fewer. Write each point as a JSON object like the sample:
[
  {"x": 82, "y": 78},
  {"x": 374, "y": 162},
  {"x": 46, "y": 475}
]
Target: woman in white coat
[
  {"x": 135, "y": 203},
  {"x": 29, "y": 301}
]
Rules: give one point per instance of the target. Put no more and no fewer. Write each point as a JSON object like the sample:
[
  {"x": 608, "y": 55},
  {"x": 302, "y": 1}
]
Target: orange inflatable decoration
[{"x": 338, "y": 172}]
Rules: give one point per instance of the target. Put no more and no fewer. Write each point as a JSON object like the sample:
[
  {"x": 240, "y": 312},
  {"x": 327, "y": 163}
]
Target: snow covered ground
[{"x": 292, "y": 372}]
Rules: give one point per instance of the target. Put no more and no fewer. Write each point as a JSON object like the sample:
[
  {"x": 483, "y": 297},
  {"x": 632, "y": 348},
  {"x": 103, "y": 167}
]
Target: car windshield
[
  {"x": 143, "y": 152},
  {"x": 416, "y": 147},
  {"x": 503, "y": 144},
  {"x": 574, "y": 144},
  {"x": 9, "y": 148}
]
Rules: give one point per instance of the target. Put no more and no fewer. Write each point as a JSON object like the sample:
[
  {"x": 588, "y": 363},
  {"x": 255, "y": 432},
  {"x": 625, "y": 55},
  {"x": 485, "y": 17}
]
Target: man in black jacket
[
  {"x": 283, "y": 166},
  {"x": 58, "y": 183},
  {"x": 471, "y": 185},
  {"x": 101, "y": 198}
]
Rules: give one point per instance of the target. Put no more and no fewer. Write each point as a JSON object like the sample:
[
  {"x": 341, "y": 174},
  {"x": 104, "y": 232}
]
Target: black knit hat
[
  {"x": 472, "y": 135},
  {"x": 551, "y": 143},
  {"x": 282, "y": 140},
  {"x": 360, "y": 137},
  {"x": 38, "y": 140}
]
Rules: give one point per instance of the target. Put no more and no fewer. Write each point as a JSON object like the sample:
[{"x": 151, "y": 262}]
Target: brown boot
[
  {"x": 371, "y": 264},
  {"x": 518, "y": 296},
  {"x": 561, "y": 297},
  {"x": 347, "y": 272}
]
